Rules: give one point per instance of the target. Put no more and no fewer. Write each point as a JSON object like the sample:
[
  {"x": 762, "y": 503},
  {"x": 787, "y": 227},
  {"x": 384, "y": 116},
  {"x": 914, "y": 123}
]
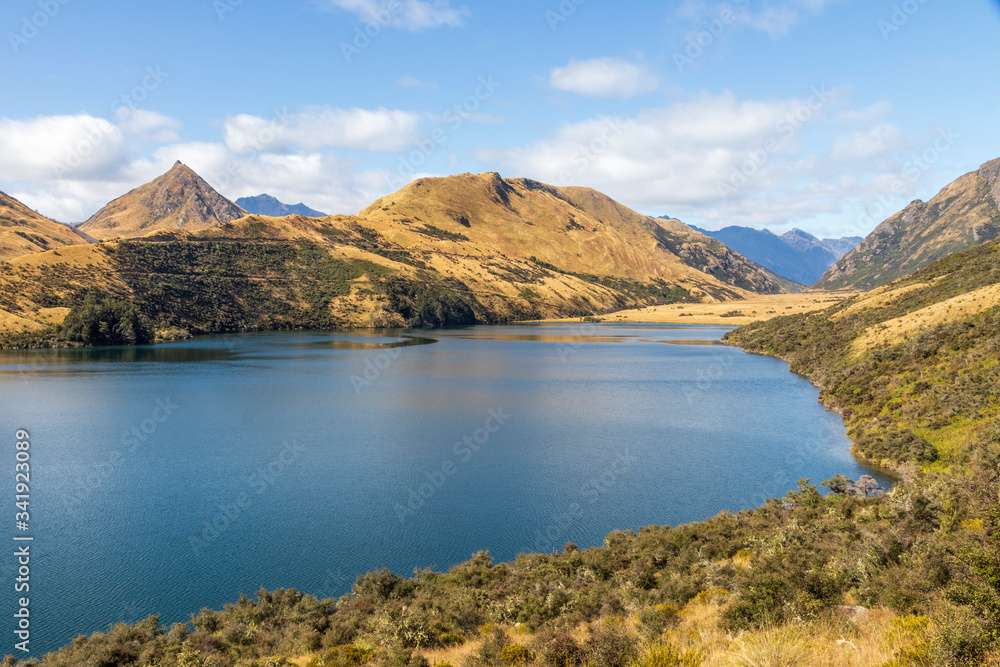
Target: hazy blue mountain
[
  {"x": 268, "y": 205},
  {"x": 796, "y": 255}
]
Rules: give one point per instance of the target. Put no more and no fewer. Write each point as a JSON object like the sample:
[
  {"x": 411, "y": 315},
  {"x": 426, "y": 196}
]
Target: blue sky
[{"x": 827, "y": 115}]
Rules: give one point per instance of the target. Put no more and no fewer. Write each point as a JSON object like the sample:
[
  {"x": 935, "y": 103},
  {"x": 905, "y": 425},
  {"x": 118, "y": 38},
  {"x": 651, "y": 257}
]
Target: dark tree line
[{"x": 102, "y": 320}]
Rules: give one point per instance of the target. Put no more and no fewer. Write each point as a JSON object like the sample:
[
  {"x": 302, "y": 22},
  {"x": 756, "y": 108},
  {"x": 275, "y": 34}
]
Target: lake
[{"x": 169, "y": 478}]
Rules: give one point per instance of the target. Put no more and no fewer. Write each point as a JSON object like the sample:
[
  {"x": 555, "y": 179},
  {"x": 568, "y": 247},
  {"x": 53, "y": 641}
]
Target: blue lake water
[{"x": 169, "y": 478}]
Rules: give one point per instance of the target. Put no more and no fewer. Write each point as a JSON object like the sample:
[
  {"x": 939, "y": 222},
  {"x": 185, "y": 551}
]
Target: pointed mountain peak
[{"x": 178, "y": 199}]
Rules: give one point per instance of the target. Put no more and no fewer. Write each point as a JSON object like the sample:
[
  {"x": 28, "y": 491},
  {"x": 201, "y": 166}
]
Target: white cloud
[
  {"x": 380, "y": 130},
  {"x": 719, "y": 160},
  {"x": 70, "y": 200},
  {"x": 775, "y": 21},
  {"x": 104, "y": 160},
  {"x": 403, "y": 14},
  {"x": 326, "y": 182},
  {"x": 776, "y": 18},
  {"x": 52, "y": 146},
  {"x": 603, "y": 77},
  {"x": 329, "y": 183},
  {"x": 881, "y": 139},
  {"x": 148, "y": 125},
  {"x": 870, "y": 114}
]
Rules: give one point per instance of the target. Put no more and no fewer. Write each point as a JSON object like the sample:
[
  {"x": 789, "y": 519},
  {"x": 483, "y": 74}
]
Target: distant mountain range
[
  {"x": 964, "y": 214},
  {"x": 179, "y": 199},
  {"x": 268, "y": 205},
  {"x": 457, "y": 250},
  {"x": 796, "y": 255}
]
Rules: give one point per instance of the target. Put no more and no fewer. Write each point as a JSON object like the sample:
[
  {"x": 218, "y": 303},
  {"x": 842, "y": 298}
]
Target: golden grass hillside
[
  {"x": 22, "y": 231},
  {"x": 754, "y": 308},
  {"x": 577, "y": 230}
]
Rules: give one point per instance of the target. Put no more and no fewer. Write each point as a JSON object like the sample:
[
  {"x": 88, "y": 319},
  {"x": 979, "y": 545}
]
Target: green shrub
[
  {"x": 960, "y": 638},
  {"x": 516, "y": 654},
  {"x": 612, "y": 645},
  {"x": 564, "y": 651},
  {"x": 106, "y": 321},
  {"x": 896, "y": 445},
  {"x": 761, "y": 599},
  {"x": 658, "y": 618}
]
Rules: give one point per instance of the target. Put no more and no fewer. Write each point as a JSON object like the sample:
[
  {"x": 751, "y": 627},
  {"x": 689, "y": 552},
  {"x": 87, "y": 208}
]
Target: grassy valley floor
[{"x": 731, "y": 313}]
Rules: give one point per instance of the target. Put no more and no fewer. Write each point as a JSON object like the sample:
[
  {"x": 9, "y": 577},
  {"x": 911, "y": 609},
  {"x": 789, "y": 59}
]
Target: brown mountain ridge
[
  {"x": 966, "y": 213},
  {"x": 23, "y": 232},
  {"x": 456, "y": 250},
  {"x": 179, "y": 200}
]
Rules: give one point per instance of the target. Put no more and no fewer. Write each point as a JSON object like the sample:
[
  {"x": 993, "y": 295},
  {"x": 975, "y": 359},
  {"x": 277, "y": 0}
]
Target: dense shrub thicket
[{"x": 106, "y": 321}]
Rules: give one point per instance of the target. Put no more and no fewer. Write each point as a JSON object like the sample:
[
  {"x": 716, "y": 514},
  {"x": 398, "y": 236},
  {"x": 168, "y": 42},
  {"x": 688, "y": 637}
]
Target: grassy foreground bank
[{"x": 847, "y": 578}]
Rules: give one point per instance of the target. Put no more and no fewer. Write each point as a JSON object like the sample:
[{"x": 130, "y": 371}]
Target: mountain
[
  {"x": 22, "y": 231},
  {"x": 179, "y": 199},
  {"x": 577, "y": 230},
  {"x": 796, "y": 255},
  {"x": 268, "y": 205},
  {"x": 458, "y": 250},
  {"x": 839, "y": 247},
  {"x": 804, "y": 242},
  {"x": 964, "y": 214}
]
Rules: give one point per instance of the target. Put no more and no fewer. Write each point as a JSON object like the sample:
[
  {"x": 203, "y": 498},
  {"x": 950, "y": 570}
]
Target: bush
[
  {"x": 657, "y": 619},
  {"x": 612, "y": 645},
  {"x": 107, "y": 321},
  {"x": 960, "y": 638},
  {"x": 516, "y": 654},
  {"x": 564, "y": 651},
  {"x": 760, "y": 602},
  {"x": 897, "y": 445},
  {"x": 383, "y": 585}
]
